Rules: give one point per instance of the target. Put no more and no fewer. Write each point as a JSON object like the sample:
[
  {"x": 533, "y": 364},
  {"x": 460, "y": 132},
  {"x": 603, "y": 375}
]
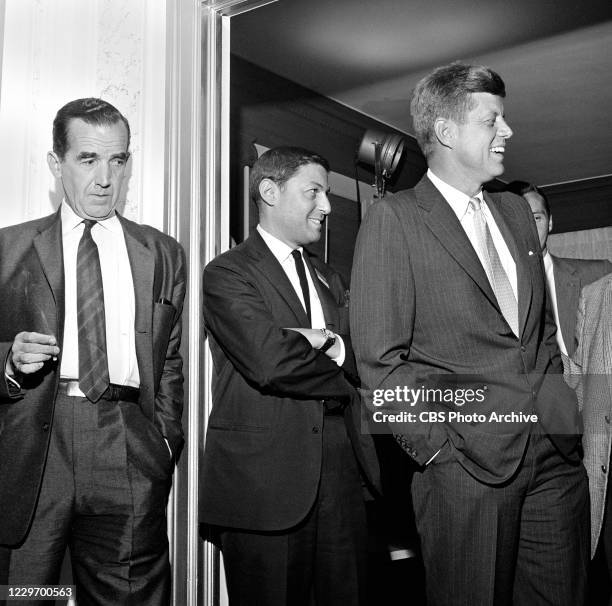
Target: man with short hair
[
  {"x": 284, "y": 456},
  {"x": 565, "y": 277},
  {"x": 448, "y": 300},
  {"x": 92, "y": 392}
]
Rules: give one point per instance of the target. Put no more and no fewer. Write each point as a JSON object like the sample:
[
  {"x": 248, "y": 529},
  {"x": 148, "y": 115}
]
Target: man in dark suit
[
  {"x": 91, "y": 397},
  {"x": 565, "y": 277},
  {"x": 448, "y": 300},
  {"x": 284, "y": 455}
]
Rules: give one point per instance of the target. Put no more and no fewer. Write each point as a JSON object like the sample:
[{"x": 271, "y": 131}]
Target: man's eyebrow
[
  {"x": 85, "y": 155},
  {"x": 320, "y": 186}
]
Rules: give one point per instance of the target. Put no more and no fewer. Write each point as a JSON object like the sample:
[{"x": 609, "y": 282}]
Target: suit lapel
[
  {"x": 48, "y": 245},
  {"x": 443, "y": 223},
  {"x": 269, "y": 266},
  {"x": 505, "y": 217},
  {"x": 325, "y": 297},
  {"x": 142, "y": 264},
  {"x": 567, "y": 289}
]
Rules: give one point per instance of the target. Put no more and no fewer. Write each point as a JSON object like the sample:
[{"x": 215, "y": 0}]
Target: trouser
[
  {"x": 322, "y": 559},
  {"x": 602, "y": 563},
  {"x": 104, "y": 495},
  {"x": 522, "y": 542}
]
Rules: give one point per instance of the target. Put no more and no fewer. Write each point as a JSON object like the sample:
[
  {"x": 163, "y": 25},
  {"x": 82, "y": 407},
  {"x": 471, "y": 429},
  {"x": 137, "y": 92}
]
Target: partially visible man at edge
[
  {"x": 448, "y": 293},
  {"x": 590, "y": 371},
  {"x": 565, "y": 277}
]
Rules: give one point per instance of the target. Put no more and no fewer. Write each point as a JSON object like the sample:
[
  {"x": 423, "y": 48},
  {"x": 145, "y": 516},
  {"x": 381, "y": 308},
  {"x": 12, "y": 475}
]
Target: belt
[{"x": 114, "y": 392}]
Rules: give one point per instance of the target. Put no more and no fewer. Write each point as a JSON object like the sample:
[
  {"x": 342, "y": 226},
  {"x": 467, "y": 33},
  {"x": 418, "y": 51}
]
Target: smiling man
[
  {"x": 448, "y": 291},
  {"x": 284, "y": 457},
  {"x": 92, "y": 392}
]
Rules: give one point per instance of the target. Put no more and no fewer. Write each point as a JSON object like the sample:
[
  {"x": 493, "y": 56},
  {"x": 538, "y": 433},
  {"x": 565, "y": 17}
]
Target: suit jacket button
[
  {"x": 604, "y": 469},
  {"x": 45, "y": 427},
  {"x": 523, "y": 348},
  {"x": 316, "y": 429},
  {"x": 607, "y": 418}
]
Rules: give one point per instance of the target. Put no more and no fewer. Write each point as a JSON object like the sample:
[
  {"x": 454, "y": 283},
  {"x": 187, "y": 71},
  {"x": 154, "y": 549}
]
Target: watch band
[{"x": 329, "y": 340}]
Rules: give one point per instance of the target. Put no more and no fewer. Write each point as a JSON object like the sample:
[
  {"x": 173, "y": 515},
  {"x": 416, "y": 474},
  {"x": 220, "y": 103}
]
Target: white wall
[{"x": 58, "y": 50}]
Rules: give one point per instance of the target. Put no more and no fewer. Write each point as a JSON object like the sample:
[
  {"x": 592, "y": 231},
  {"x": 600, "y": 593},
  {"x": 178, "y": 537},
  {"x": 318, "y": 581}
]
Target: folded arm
[{"x": 273, "y": 358}]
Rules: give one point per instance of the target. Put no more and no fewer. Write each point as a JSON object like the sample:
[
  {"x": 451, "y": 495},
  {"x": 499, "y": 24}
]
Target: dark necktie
[
  {"x": 93, "y": 361},
  {"x": 301, "y": 272}
]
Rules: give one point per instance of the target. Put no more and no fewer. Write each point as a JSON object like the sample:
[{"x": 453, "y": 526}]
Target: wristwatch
[{"x": 330, "y": 339}]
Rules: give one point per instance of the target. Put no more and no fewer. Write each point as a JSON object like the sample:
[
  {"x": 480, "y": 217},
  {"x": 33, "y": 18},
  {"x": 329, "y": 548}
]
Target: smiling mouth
[{"x": 498, "y": 149}]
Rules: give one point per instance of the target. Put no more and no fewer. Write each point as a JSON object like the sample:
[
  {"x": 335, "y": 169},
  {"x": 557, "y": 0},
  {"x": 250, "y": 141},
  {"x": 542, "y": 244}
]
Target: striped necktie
[
  {"x": 93, "y": 360},
  {"x": 498, "y": 277}
]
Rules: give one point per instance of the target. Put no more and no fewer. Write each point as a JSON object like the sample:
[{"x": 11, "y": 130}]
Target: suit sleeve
[
  {"x": 169, "y": 397},
  {"x": 274, "y": 360},
  {"x": 8, "y": 390},
  {"x": 383, "y": 317}
]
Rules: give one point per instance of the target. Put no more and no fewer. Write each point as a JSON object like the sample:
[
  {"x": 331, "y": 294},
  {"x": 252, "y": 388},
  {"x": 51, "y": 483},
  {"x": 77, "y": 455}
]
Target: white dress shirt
[
  {"x": 552, "y": 291},
  {"x": 282, "y": 253},
  {"x": 459, "y": 202},
  {"x": 119, "y": 299}
]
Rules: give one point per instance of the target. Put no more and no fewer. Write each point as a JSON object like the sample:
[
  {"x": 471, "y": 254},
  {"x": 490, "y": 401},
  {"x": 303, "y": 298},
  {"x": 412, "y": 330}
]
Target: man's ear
[
  {"x": 268, "y": 191},
  {"x": 54, "y": 164},
  {"x": 445, "y": 131},
  {"x": 550, "y": 223}
]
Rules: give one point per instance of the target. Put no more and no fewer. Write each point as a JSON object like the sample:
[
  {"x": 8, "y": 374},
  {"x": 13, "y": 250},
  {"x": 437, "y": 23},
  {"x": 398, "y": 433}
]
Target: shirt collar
[
  {"x": 70, "y": 220},
  {"x": 457, "y": 200},
  {"x": 548, "y": 262},
  {"x": 278, "y": 248}
]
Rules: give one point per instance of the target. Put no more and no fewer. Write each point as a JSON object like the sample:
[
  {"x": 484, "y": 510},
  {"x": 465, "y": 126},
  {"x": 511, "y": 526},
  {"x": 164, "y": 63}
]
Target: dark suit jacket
[
  {"x": 262, "y": 456},
  {"x": 571, "y": 276},
  {"x": 32, "y": 287},
  {"x": 424, "y": 314}
]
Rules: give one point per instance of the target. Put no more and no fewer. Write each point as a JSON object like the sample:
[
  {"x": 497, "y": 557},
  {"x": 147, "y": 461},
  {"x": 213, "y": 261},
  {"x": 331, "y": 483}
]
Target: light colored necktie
[{"x": 494, "y": 268}]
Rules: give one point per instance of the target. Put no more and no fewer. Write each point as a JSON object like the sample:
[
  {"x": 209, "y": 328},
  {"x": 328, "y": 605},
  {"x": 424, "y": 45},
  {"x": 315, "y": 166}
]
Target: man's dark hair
[
  {"x": 445, "y": 93},
  {"x": 520, "y": 188},
  {"x": 92, "y": 111},
  {"x": 279, "y": 165}
]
